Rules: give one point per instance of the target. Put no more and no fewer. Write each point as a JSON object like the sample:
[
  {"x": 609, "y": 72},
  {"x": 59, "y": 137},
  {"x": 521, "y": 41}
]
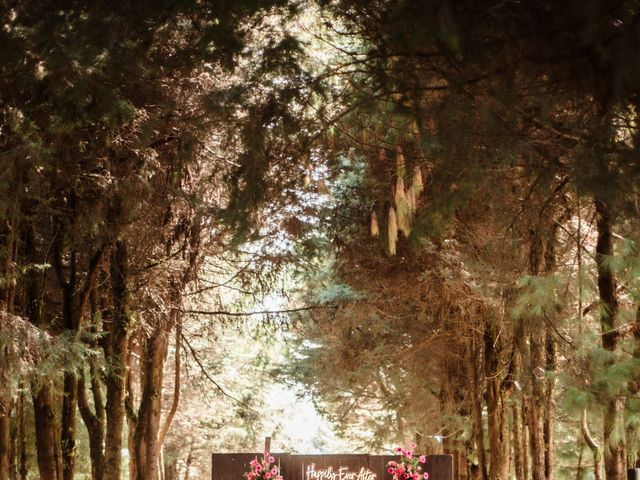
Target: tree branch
[
  {"x": 257, "y": 312},
  {"x": 176, "y": 389},
  {"x": 206, "y": 374}
]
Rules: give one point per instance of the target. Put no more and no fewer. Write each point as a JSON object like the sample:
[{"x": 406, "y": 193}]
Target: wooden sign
[{"x": 232, "y": 466}]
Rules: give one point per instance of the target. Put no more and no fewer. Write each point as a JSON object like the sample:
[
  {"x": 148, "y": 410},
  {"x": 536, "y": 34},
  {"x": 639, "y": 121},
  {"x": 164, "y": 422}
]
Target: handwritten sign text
[{"x": 341, "y": 473}]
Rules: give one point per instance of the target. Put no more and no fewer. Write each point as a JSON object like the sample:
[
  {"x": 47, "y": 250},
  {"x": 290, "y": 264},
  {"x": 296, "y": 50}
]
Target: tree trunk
[
  {"x": 478, "y": 429},
  {"x": 593, "y": 446},
  {"x": 94, "y": 422},
  {"x": 49, "y": 461},
  {"x": 68, "y": 425},
  {"x": 47, "y": 439},
  {"x": 132, "y": 419},
  {"x": 22, "y": 469},
  {"x": 187, "y": 467},
  {"x": 537, "y": 369},
  {"x": 550, "y": 410},
  {"x": 497, "y": 409},
  {"x": 176, "y": 385},
  {"x": 5, "y": 437},
  {"x": 550, "y": 368},
  {"x": 149, "y": 435},
  {"x": 518, "y": 451},
  {"x": 7, "y": 298},
  {"x": 148, "y": 422},
  {"x": 525, "y": 439},
  {"x": 115, "y": 352},
  {"x": 613, "y": 420},
  {"x": 633, "y": 430},
  {"x": 536, "y": 406}
]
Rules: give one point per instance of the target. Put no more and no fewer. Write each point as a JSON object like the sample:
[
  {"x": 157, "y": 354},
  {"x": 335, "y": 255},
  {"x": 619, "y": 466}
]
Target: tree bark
[
  {"x": 94, "y": 422},
  {"x": 68, "y": 425},
  {"x": 478, "y": 429},
  {"x": 149, "y": 434},
  {"x": 148, "y": 421},
  {"x": 518, "y": 451},
  {"x": 22, "y": 469},
  {"x": 550, "y": 368},
  {"x": 49, "y": 461},
  {"x": 497, "y": 408},
  {"x": 187, "y": 467},
  {"x": 5, "y": 437},
  {"x": 132, "y": 419},
  {"x": 550, "y": 410},
  {"x": 176, "y": 388},
  {"x": 7, "y": 298},
  {"x": 613, "y": 421},
  {"x": 115, "y": 352},
  {"x": 47, "y": 439},
  {"x": 537, "y": 369},
  {"x": 593, "y": 446},
  {"x": 525, "y": 439},
  {"x": 633, "y": 432}
]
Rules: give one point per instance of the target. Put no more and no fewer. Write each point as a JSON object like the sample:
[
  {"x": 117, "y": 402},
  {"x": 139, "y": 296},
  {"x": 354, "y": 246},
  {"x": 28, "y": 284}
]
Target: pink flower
[
  {"x": 422, "y": 459},
  {"x": 398, "y": 449},
  {"x": 258, "y": 467},
  {"x": 425, "y": 476},
  {"x": 418, "y": 468},
  {"x": 413, "y": 446},
  {"x": 267, "y": 475},
  {"x": 274, "y": 471},
  {"x": 391, "y": 470},
  {"x": 400, "y": 471},
  {"x": 416, "y": 476},
  {"x": 393, "y": 464},
  {"x": 271, "y": 459},
  {"x": 266, "y": 453},
  {"x": 409, "y": 454}
]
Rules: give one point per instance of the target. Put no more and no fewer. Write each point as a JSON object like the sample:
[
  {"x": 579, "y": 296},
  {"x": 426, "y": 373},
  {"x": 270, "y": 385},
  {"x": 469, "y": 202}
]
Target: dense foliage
[{"x": 439, "y": 198}]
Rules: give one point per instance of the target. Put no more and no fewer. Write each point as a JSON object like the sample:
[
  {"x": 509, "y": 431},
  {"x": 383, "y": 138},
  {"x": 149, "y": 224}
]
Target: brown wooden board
[{"x": 233, "y": 466}]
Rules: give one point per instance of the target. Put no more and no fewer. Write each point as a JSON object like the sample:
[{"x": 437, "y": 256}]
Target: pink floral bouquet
[
  {"x": 263, "y": 470},
  {"x": 408, "y": 467}
]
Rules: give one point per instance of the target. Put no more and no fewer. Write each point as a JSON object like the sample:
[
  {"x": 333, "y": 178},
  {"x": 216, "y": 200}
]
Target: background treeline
[{"x": 452, "y": 186}]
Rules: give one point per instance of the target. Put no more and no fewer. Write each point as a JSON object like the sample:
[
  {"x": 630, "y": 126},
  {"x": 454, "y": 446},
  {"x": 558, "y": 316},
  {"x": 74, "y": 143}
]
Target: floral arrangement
[
  {"x": 408, "y": 467},
  {"x": 263, "y": 470}
]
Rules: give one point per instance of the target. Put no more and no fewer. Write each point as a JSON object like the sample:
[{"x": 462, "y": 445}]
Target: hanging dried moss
[
  {"x": 375, "y": 230},
  {"x": 417, "y": 185},
  {"x": 392, "y": 231},
  {"x": 400, "y": 162},
  {"x": 411, "y": 200},
  {"x": 400, "y": 195}
]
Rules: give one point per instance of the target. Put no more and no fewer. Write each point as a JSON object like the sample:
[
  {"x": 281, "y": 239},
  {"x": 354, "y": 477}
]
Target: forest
[{"x": 419, "y": 216}]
